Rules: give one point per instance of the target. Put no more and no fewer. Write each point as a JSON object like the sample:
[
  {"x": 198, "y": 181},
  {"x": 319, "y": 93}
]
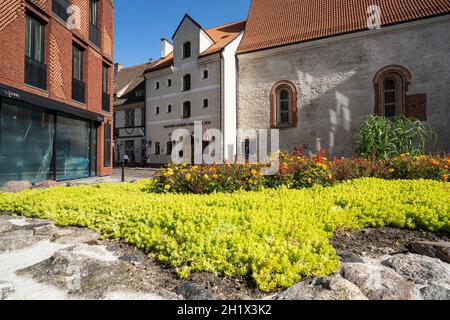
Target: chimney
[
  {"x": 117, "y": 68},
  {"x": 166, "y": 48}
]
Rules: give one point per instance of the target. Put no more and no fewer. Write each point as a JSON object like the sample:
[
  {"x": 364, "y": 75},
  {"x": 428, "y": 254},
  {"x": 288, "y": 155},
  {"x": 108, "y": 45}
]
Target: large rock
[
  {"x": 74, "y": 235},
  {"x": 190, "y": 291},
  {"x": 378, "y": 282},
  {"x": 330, "y": 288},
  {"x": 17, "y": 239},
  {"x": 440, "y": 250},
  {"x": 47, "y": 184},
  {"x": 6, "y": 289},
  {"x": 81, "y": 269},
  {"x": 421, "y": 270},
  {"x": 16, "y": 186},
  {"x": 435, "y": 292},
  {"x": 5, "y": 226}
]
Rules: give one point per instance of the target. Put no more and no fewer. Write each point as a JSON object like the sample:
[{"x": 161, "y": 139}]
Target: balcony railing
[
  {"x": 59, "y": 8},
  {"x": 106, "y": 102},
  {"x": 94, "y": 34},
  {"x": 35, "y": 73},
  {"x": 78, "y": 90}
]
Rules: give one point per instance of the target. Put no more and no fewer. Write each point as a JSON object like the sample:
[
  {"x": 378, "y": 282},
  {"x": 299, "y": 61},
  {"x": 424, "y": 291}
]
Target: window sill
[
  {"x": 283, "y": 126},
  {"x": 79, "y": 102},
  {"x": 37, "y": 88}
]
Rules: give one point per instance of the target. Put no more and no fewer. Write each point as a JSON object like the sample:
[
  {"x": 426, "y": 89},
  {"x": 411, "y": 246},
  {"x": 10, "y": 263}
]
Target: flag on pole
[{"x": 206, "y": 136}]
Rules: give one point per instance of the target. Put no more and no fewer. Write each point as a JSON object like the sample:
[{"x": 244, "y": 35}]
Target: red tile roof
[
  {"x": 221, "y": 35},
  {"x": 273, "y": 23}
]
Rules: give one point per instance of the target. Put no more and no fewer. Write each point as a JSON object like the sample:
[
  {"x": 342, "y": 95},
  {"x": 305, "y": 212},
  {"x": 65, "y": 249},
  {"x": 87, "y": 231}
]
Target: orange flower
[{"x": 445, "y": 177}]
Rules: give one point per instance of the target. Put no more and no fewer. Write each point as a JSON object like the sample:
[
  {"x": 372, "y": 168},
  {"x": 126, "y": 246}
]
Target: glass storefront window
[
  {"x": 72, "y": 148},
  {"x": 26, "y": 142},
  {"x": 93, "y": 150}
]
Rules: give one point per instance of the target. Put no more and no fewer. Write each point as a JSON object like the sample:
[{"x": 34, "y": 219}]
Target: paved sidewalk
[{"x": 131, "y": 174}]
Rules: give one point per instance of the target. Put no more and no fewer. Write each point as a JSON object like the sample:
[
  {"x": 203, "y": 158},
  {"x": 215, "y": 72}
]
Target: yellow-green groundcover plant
[{"x": 276, "y": 237}]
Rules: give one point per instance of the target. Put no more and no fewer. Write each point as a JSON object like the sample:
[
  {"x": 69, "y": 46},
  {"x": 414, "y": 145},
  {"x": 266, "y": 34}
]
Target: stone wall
[{"x": 334, "y": 79}]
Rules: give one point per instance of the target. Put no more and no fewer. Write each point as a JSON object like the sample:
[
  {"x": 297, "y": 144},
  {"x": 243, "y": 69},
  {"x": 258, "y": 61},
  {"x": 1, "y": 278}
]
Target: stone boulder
[
  {"x": 435, "y": 292},
  {"x": 5, "y": 226},
  {"x": 378, "y": 282},
  {"x": 74, "y": 235},
  {"x": 17, "y": 239},
  {"x": 330, "y": 288},
  {"x": 440, "y": 250},
  {"x": 190, "y": 291},
  {"x": 6, "y": 289},
  {"x": 16, "y": 186},
  {"x": 421, "y": 270},
  {"x": 47, "y": 184},
  {"x": 81, "y": 269}
]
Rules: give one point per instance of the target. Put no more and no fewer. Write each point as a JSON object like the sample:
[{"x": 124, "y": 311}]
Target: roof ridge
[{"x": 226, "y": 24}]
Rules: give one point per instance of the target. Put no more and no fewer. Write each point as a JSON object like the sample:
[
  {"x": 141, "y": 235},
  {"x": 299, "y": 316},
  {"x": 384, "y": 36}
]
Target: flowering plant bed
[
  {"x": 296, "y": 172},
  {"x": 275, "y": 237}
]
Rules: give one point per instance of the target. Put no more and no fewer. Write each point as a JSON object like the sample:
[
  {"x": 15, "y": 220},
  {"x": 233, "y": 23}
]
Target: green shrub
[
  {"x": 208, "y": 178},
  {"x": 384, "y": 138},
  {"x": 275, "y": 237}
]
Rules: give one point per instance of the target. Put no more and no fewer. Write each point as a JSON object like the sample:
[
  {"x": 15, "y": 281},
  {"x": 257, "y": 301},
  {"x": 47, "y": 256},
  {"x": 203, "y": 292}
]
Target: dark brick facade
[{"x": 416, "y": 107}]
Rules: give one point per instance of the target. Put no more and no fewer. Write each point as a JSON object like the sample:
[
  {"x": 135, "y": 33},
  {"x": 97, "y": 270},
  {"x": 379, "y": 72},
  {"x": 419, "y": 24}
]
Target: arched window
[
  {"x": 157, "y": 148},
  {"x": 391, "y": 84},
  {"x": 186, "y": 109},
  {"x": 205, "y": 74},
  {"x": 187, "y": 82},
  {"x": 283, "y": 105},
  {"x": 186, "y": 50},
  {"x": 390, "y": 98},
  {"x": 169, "y": 148}
]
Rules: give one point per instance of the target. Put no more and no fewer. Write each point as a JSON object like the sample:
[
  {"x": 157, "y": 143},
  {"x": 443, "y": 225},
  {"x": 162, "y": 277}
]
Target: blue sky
[{"x": 140, "y": 24}]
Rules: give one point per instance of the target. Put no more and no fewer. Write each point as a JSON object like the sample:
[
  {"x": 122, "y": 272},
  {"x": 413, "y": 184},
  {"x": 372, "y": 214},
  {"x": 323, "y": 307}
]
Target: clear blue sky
[{"x": 140, "y": 24}]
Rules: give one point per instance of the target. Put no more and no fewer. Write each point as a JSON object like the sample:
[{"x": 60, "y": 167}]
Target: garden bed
[{"x": 273, "y": 238}]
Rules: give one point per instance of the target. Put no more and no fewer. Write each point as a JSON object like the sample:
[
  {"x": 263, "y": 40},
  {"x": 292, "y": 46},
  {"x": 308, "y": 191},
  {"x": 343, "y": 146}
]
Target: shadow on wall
[{"x": 328, "y": 116}]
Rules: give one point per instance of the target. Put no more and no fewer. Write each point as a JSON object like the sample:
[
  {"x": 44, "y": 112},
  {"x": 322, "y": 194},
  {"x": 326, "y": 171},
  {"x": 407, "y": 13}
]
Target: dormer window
[{"x": 186, "y": 50}]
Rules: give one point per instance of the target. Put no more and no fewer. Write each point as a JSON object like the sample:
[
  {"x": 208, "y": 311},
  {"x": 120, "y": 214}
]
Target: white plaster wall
[
  {"x": 335, "y": 82},
  {"x": 161, "y": 126},
  {"x": 229, "y": 96}
]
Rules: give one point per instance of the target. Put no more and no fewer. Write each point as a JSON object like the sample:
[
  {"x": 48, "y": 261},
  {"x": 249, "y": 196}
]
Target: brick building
[{"x": 56, "y": 73}]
